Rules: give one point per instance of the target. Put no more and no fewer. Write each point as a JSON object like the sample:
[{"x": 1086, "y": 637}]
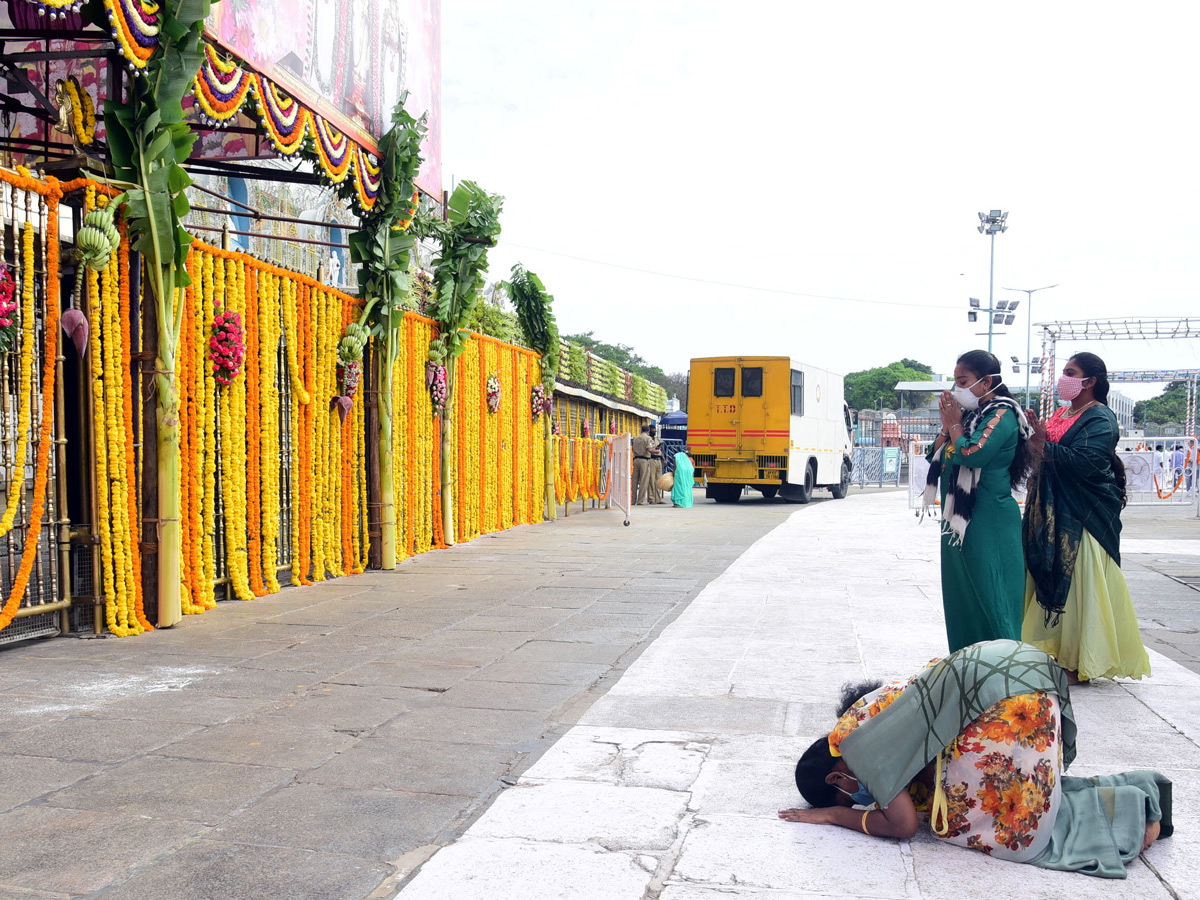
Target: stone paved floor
[
  {"x": 317, "y": 743},
  {"x": 669, "y": 786}
]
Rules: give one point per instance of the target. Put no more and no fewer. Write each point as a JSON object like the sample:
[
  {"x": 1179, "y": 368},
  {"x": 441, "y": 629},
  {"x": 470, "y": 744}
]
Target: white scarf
[{"x": 964, "y": 480}]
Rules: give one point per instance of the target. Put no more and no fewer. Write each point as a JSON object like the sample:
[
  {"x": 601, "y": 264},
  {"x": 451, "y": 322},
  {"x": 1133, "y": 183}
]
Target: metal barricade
[
  {"x": 620, "y": 494},
  {"x": 876, "y": 466}
]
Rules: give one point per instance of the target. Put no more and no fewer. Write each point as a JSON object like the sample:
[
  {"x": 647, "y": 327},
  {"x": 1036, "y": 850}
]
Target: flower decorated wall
[{"x": 274, "y": 479}]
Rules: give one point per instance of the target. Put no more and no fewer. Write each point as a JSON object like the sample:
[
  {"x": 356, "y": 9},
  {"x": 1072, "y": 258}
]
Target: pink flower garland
[{"x": 226, "y": 348}]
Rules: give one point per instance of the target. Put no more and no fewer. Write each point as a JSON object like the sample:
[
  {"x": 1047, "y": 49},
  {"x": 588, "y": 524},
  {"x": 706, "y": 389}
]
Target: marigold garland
[
  {"x": 16, "y": 485},
  {"x": 52, "y": 191}
]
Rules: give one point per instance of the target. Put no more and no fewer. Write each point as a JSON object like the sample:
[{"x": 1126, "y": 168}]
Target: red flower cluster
[
  {"x": 8, "y": 308},
  {"x": 226, "y": 348}
]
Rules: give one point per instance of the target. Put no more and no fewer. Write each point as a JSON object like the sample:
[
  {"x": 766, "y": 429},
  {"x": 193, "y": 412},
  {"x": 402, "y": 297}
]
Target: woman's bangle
[{"x": 864, "y": 821}]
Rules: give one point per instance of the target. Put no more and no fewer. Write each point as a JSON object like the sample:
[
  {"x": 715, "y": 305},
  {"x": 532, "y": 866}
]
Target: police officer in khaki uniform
[
  {"x": 641, "y": 466},
  {"x": 656, "y": 467}
]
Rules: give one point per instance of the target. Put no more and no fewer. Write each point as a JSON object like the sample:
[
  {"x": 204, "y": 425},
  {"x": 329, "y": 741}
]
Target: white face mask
[{"x": 968, "y": 400}]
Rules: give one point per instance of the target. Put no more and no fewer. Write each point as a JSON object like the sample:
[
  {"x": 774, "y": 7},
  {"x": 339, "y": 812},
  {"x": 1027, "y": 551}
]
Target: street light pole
[
  {"x": 991, "y": 223},
  {"x": 1029, "y": 292}
]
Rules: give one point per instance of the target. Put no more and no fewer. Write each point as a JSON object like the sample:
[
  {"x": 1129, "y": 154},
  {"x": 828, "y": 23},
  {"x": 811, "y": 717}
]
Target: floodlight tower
[
  {"x": 991, "y": 223},
  {"x": 1029, "y": 331}
]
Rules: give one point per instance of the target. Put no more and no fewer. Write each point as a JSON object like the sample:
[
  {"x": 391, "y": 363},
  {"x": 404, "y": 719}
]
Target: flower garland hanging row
[
  {"x": 51, "y": 192},
  {"x": 116, "y": 529},
  {"x": 325, "y": 473},
  {"x": 16, "y": 486},
  {"x": 223, "y": 89}
]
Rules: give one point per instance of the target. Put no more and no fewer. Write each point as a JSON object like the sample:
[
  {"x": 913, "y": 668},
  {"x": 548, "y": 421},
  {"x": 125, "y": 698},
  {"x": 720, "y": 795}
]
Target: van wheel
[
  {"x": 841, "y": 489},
  {"x": 768, "y": 491},
  {"x": 810, "y": 481},
  {"x": 801, "y": 493},
  {"x": 724, "y": 493}
]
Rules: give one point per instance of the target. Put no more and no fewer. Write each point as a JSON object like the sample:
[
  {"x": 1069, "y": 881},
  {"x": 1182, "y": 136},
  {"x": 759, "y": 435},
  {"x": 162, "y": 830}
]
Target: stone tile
[
  {"x": 394, "y": 762},
  {"x": 701, "y": 715},
  {"x": 744, "y": 788},
  {"x": 540, "y": 651},
  {"x": 25, "y": 778},
  {"x": 187, "y": 706},
  {"x": 91, "y": 739},
  {"x": 944, "y": 870},
  {"x": 262, "y": 741},
  {"x": 254, "y": 683},
  {"x": 528, "y": 870},
  {"x": 526, "y": 622},
  {"x": 541, "y": 698},
  {"x": 744, "y": 852},
  {"x": 405, "y": 674},
  {"x": 157, "y": 787},
  {"x": 74, "y": 851},
  {"x": 333, "y": 818},
  {"x": 215, "y": 870},
  {"x": 468, "y": 726},
  {"x": 542, "y": 672},
  {"x": 459, "y": 636},
  {"x": 629, "y": 819},
  {"x": 345, "y": 708}
]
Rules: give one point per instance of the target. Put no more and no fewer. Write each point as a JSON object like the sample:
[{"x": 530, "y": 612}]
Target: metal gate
[{"x": 22, "y": 405}]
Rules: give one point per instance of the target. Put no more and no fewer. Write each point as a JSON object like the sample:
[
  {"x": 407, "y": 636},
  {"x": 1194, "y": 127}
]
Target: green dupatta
[
  {"x": 888, "y": 750},
  {"x": 1074, "y": 489}
]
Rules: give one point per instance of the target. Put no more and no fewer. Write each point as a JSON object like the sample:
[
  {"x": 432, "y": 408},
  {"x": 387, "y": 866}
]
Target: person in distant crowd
[
  {"x": 978, "y": 742},
  {"x": 685, "y": 478},
  {"x": 1077, "y": 605},
  {"x": 1189, "y": 465},
  {"x": 1177, "y": 465},
  {"x": 656, "y": 466},
  {"x": 641, "y": 466},
  {"x": 1160, "y": 457},
  {"x": 976, "y": 462}
]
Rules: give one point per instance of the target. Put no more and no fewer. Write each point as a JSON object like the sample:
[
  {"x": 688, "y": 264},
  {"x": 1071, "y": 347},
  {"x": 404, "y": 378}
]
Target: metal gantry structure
[{"x": 1127, "y": 329}]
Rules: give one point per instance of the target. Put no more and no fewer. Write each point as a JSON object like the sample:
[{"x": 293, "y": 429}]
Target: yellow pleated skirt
[{"x": 1097, "y": 634}]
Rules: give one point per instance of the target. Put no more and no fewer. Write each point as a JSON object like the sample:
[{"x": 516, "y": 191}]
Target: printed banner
[{"x": 347, "y": 61}]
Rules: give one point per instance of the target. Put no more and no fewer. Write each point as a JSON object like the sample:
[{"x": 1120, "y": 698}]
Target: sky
[{"x": 701, "y": 179}]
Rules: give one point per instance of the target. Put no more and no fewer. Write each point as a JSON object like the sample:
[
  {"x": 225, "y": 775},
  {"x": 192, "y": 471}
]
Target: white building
[{"x": 1122, "y": 407}]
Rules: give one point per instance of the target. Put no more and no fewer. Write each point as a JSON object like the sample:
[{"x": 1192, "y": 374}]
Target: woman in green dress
[
  {"x": 1077, "y": 605},
  {"x": 975, "y": 463}
]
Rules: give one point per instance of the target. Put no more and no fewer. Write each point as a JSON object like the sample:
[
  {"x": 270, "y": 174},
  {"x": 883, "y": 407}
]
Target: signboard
[{"x": 346, "y": 61}]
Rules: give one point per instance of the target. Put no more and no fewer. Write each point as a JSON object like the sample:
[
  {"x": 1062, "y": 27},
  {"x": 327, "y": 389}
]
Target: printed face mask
[
  {"x": 1069, "y": 387},
  {"x": 968, "y": 400}
]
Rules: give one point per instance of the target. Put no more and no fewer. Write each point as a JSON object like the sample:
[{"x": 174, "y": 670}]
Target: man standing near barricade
[
  {"x": 656, "y": 467},
  {"x": 641, "y": 466}
]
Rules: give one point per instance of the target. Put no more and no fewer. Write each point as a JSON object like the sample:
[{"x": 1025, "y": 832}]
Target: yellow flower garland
[{"x": 16, "y": 486}]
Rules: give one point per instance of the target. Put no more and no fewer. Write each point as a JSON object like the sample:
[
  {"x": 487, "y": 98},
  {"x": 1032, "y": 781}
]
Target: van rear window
[
  {"x": 723, "y": 382},
  {"x": 752, "y": 381}
]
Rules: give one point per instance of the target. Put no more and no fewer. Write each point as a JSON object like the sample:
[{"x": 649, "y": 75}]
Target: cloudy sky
[{"x": 802, "y": 178}]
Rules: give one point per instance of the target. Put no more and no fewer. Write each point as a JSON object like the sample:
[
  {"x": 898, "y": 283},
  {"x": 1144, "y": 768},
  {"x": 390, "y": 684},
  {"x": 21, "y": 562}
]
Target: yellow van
[{"x": 770, "y": 422}]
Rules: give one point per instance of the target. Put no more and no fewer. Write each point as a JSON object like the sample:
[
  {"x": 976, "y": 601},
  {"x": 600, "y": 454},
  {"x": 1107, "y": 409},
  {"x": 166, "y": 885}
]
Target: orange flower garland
[{"x": 37, "y": 507}]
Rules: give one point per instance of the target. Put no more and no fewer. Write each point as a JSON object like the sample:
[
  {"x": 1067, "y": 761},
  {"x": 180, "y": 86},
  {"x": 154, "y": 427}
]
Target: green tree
[
  {"x": 1169, "y": 406},
  {"x": 913, "y": 364},
  {"x": 870, "y": 387}
]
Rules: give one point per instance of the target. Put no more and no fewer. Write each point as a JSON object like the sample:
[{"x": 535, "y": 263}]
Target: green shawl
[
  {"x": 1074, "y": 489},
  {"x": 887, "y": 751}
]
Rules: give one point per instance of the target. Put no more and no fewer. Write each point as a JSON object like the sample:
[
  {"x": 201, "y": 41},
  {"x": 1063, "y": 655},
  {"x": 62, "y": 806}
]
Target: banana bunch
[
  {"x": 350, "y": 348},
  {"x": 98, "y": 238}
]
